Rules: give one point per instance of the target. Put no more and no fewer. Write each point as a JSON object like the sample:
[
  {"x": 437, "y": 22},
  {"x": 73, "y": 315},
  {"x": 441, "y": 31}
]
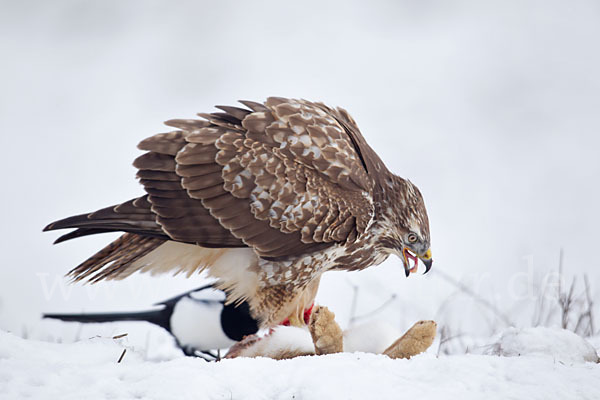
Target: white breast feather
[{"x": 230, "y": 266}]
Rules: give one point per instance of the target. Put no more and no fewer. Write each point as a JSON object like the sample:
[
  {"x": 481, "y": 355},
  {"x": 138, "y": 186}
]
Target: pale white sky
[{"x": 491, "y": 108}]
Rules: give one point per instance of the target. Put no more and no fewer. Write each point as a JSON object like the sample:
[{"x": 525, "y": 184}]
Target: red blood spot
[{"x": 307, "y": 312}]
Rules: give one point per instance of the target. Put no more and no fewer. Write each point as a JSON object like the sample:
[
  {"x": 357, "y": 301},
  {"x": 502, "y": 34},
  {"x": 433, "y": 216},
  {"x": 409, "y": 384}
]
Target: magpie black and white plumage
[{"x": 199, "y": 320}]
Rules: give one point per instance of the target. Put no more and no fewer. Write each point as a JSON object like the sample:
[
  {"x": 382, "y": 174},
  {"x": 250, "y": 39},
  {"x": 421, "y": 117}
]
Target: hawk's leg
[
  {"x": 326, "y": 334},
  {"x": 295, "y": 321}
]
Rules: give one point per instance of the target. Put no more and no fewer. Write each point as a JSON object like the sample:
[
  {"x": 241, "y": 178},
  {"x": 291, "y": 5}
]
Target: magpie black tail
[{"x": 157, "y": 317}]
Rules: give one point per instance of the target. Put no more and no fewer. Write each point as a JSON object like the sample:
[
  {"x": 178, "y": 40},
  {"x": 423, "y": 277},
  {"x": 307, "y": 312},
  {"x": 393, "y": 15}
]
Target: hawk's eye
[{"x": 412, "y": 238}]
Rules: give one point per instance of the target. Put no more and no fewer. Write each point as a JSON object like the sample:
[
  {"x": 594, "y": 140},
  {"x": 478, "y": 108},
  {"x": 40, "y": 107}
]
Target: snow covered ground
[
  {"x": 89, "y": 369},
  {"x": 488, "y": 106}
]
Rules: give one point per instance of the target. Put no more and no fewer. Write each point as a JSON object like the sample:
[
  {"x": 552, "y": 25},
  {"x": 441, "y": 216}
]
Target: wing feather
[
  {"x": 290, "y": 165},
  {"x": 286, "y": 177}
]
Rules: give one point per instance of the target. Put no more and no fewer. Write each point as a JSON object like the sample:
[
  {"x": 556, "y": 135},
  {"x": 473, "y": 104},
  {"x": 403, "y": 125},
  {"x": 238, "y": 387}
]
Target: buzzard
[{"x": 266, "y": 198}]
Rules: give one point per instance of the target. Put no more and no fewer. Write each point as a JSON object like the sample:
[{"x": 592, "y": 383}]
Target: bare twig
[
  {"x": 587, "y": 313},
  {"x": 465, "y": 289},
  {"x": 565, "y": 301},
  {"x": 460, "y": 346},
  {"x": 122, "y": 355},
  {"x": 590, "y": 303},
  {"x": 560, "y": 267},
  {"x": 446, "y": 337},
  {"x": 122, "y": 335},
  {"x": 575, "y": 308},
  {"x": 375, "y": 311}
]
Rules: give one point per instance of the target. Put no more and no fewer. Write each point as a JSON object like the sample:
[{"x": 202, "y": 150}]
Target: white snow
[
  {"x": 372, "y": 337},
  {"x": 560, "y": 344},
  {"x": 89, "y": 369}
]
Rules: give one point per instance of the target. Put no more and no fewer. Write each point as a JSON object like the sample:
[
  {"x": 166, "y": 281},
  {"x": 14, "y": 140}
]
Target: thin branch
[
  {"x": 375, "y": 311},
  {"x": 122, "y": 355},
  {"x": 465, "y": 289},
  {"x": 587, "y": 314},
  {"x": 590, "y": 303},
  {"x": 560, "y": 267},
  {"x": 122, "y": 335},
  {"x": 446, "y": 336}
]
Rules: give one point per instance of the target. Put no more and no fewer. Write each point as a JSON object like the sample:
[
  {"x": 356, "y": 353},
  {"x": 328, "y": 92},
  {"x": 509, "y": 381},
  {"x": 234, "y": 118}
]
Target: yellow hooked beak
[{"x": 427, "y": 260}]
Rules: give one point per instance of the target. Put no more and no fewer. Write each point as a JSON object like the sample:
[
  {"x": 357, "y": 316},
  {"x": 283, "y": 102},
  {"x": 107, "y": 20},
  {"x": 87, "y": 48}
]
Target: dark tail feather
[
  {"x": 79, "y": 233},
  {"x": 142, "y": 235},
  {"x": 133, "y": 216},
  {"x": 157, "y": 317}
]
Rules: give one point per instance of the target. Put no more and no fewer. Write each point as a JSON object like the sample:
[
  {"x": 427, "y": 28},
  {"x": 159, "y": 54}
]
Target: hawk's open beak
[
  {"x": 427, "y": 260},
  {"x": 408, "y": 255}
]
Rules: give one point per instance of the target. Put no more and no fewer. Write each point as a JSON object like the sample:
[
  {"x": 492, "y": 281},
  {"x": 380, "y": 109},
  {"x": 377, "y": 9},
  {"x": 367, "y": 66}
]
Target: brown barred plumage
[{"x": 267, "y": 198}]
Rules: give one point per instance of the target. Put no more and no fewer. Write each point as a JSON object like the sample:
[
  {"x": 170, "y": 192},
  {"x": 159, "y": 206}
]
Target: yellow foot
[
  {"x": 416, "y": 340},
  {"x": 326, "y": 334},
  {"x": 295, "y": 321}
]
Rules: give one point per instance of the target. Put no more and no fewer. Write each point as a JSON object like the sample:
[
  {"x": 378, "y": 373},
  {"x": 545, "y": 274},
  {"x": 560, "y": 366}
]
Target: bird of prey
[
  {"x": 199, "y": 320},
  {"x": 266, "y": 198}
]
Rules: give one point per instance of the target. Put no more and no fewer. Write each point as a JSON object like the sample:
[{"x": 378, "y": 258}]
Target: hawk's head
[{"x": 407, "y": 235}]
